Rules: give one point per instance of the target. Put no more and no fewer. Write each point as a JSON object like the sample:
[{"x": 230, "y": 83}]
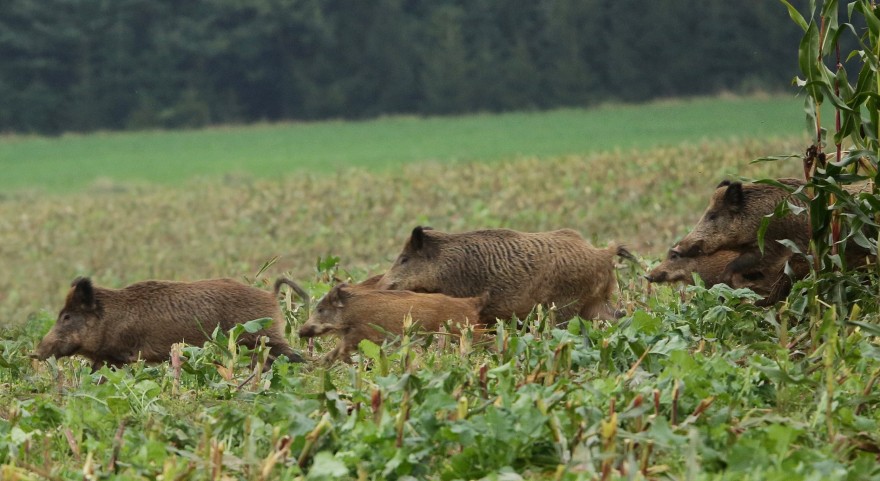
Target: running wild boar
[
  {"x": 353, "y": 312},
  {"x": 143, "y": 320},
  {"x": 517, "y": 269}
]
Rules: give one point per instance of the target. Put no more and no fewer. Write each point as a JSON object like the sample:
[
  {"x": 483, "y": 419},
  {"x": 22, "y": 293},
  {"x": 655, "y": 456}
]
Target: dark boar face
[
  {"x": 713, "y": 268},
  {"x": 673, "y": 269},
  {"x": 724, "y": 223},
  {"x": 415, "y": 267},
  {"x": 77, "y": 323},
  {"x": 327, "y": 316}
]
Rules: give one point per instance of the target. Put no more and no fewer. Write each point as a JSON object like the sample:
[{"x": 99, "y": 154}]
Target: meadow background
[
  {"x": 691, "y": 384},
  {"x": 159, "y": 139},
  {"x": 122, "y": 207}
]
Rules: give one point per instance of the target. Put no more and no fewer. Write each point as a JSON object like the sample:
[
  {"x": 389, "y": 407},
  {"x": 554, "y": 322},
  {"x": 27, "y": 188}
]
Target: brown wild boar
[
  {"x": 732, "y": 221},
  {"x": 352, "y": 312},
  {"x": 734, "y": 216},
  {"x": 717, "y": 268},
  {"x": 143, "y": 320},
  {"x": 518, "y": 270}
]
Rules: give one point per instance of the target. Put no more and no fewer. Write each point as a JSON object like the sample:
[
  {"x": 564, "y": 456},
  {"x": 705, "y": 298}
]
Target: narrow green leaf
[{"x": 795, "y": 15}]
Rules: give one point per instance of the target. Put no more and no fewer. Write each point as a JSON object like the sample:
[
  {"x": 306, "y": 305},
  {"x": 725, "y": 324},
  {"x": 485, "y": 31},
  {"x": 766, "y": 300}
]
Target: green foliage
[
  {"x": 703, "y": 389},
  {"x": 139, "y": 64},
  {"x": 841, "y": 194}
]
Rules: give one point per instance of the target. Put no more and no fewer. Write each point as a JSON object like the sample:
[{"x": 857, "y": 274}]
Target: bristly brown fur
[
  {"x": 143, "y": 320},
  {"x": 353, "y": 312},
  {"x": 518, "y": 269}
]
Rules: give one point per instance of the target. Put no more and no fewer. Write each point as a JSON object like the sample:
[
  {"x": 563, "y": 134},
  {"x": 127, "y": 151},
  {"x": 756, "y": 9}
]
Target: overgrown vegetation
[
  {"x": 708, "y": 388},
  {"x": 120, "y": 234},
  {"x": 841, "y": 193},
  {"x": 695, "y": 384},
  {"x": 714, "y": 388}
]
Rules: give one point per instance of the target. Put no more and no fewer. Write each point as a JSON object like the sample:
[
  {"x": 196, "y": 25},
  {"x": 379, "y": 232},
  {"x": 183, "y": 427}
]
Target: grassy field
[
  {"x": 230, "y": 226},
  {"x": 692, "y": 384},
  {"x": 71, "y": 162}
]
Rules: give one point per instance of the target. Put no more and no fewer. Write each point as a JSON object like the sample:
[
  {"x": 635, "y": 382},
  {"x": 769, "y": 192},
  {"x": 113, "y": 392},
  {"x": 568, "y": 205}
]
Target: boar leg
[
  {"x": 601, "y": 310},
  {"x": 278, "y": 348},
  {"x": 341, "y": 350}
]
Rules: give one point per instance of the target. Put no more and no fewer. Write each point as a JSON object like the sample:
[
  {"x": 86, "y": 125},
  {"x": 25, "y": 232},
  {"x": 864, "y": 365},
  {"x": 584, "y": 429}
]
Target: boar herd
[{"x": 440, "y": 279}]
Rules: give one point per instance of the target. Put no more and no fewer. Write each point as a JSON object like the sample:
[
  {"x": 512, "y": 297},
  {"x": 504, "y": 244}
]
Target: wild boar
[
  {"x": 353, "y": 312},
  {"x": 734, "y": 217},
  {"x": 143, "y": 320},
  {"x": 518, "y": 270},
  {"x": 732, "y": 221},
  {"x": 734, "y": 268}
]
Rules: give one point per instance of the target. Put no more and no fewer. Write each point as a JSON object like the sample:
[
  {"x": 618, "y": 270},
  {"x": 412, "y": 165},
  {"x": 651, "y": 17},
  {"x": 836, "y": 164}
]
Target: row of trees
[{"x": 116, "y": 64}]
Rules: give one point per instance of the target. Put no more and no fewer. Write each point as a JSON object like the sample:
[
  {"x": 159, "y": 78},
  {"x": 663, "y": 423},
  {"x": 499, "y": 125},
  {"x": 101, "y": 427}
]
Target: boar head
[
  {"x": 726, "y": 223},
  {"x": 77, "y": 324},
  {"x": 328, "y": 314},
  {"x": 416, "y": 266},
  {"x": 673, "y": 269}
]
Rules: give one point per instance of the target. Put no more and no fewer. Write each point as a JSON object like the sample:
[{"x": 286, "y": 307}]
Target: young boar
[
  {"x": 734, "y": 268},
  {"x": 519, "y": 270},
  {"x": 353, "y": 311},
  {"x": 143, "y": 320},
  {"x": 734, "y": 216}
]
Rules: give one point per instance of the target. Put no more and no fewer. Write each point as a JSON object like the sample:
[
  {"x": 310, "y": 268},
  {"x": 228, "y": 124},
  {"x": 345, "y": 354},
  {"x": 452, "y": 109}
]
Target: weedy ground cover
[
  {"x": 691, "y": 384},
  {"x": 711, "y": 388},
  {"x": 72, "y": 162}
]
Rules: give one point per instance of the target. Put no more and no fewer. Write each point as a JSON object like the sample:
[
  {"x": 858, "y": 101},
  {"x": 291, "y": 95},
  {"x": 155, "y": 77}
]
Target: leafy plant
[{"x": 843, "y": 210}]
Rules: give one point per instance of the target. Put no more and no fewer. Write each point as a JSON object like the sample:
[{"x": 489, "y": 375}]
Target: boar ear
[
  {"x": 83, "y": 292},
  {"x": 417, "y": 239},
  {"x": 338, "y": 295},
  {"x": 733, "y": 196},
  {"x": 723, "y": 183},
  {"x": 342, "y": 296}
]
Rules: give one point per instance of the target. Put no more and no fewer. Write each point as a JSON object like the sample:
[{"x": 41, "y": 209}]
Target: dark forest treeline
[{"x": 116, "y": 64}]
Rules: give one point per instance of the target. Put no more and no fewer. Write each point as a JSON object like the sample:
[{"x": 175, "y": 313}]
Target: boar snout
[
  {"x": 52, "y": 346},
  {"x": 656, "y": 276},
  {"x": 307, "y": 331},
  {"x": 315, "y": 329}
]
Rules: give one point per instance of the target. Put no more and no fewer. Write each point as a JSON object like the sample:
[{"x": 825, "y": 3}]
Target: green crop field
[
  {"x": 71, "y": 162},
  {"x": 691, "y": 384}
]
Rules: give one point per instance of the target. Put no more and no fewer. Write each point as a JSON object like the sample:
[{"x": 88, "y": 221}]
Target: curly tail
[
  {"x": 621, "y": 251},
  {"x": 296, "y": 288}
]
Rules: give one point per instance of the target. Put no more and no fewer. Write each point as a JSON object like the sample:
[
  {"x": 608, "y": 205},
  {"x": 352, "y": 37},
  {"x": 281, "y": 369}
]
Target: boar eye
[
  {"x": 403, "y": 260},
  {"x": 65, "y": 317},
  {"x": 712, "y": 216}
]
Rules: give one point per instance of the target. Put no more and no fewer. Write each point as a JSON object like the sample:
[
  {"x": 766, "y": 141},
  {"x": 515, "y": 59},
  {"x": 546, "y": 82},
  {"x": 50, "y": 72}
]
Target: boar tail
[
  {"x": 621, "y": 251},
  {"x": 296, "y": 288}
]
